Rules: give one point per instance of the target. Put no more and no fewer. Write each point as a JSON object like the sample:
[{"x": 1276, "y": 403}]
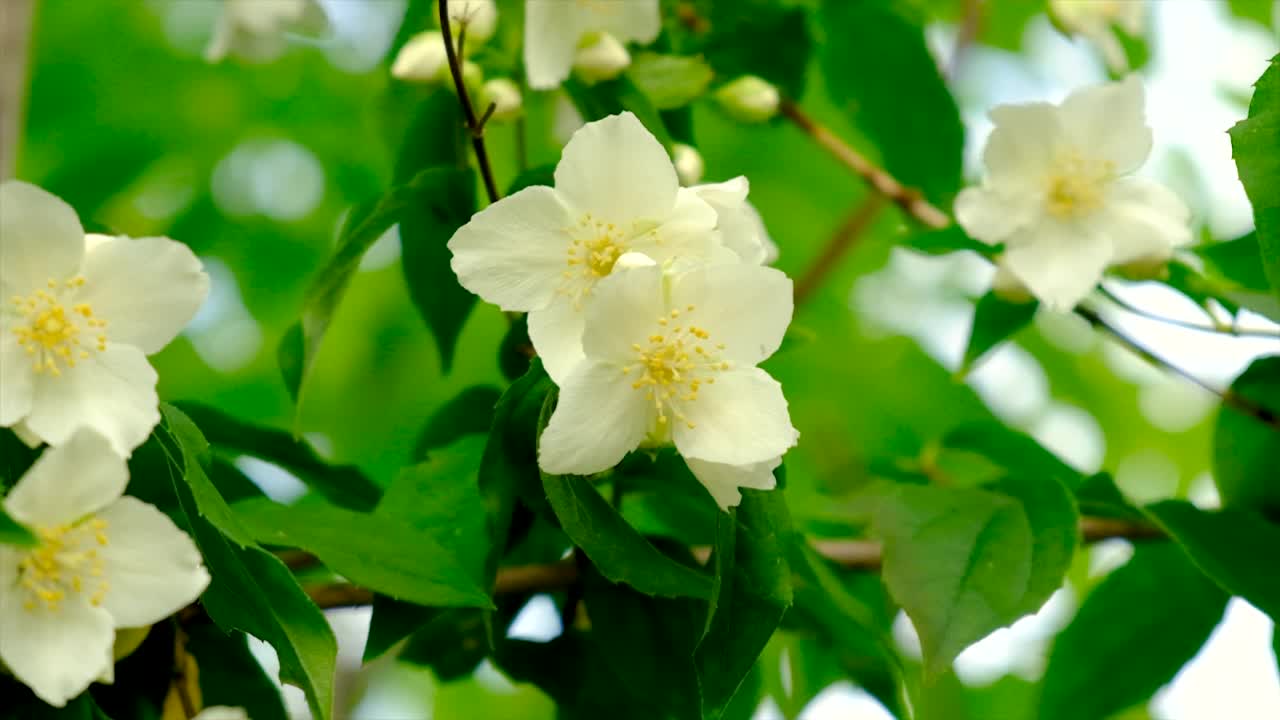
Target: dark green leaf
[
  {"x": 1255, "y": 145},
  {"x": 470, "y": 412},
  {"x": 994, "y": 321},
  {"x": 1098, "y": 495},
  {"x": 610, "y": 98},
  {"x": 670, "y": 81},
  {"x": 541, "y": 175},
  {"x": 1233, "y": 273},
  {"x": 251, "y": 590},
  {"x": 880, "y": 50},
  {"x": 14, "y": 533},
  {"x": 1128, "y": 639},
  {"x": 229, "y": 673},
  {"x": 435, "y": 136},
  {"x": 437, "y": 210},
  {"x": 753, "y": 591},
  {"x": 516, "y": 350},
  {"x": 741, "y": 30},
  {"x": 1234, "y": 547},
  {"x": 1244, "y": 448},
  {"x": 343, "y": 485},
  {"x": 451, "y": 642},
  {"x": 578, "y": 674}
]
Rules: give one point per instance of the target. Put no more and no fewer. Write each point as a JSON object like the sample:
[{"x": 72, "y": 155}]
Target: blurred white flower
[
  {"x": 1097, "y": 20},
  {"x": 749, "y": 99},
  {"x": 554, "y": 31},
  {"x": 543, "y": 249},
  {"x": 741, "y": 228},
  {"x": 80, "y": 315},
  {"x": 422, "y": 59},
  {"x": 255, "y": 30},
  {"x": 671, "y": 359},
  {"x": 478, "y": 17},
  {"x": 601, "y": 58},
  {"x": 1059, "y": 195},
  {"x": 689, "y": 164},
  {"x": 505, "y": 97},
  {"x": 104, "y": 561}
]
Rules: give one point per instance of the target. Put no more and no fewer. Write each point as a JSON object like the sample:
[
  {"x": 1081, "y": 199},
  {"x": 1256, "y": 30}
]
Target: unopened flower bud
[
  {"x": 422, "y": 59},
  {"x": 601, "y": 58},
  {"x": 478, "y": 17},
  {"x": 505, "y": 97},
  {"x": 749, "y": 99},
  {"x": 689, "y": 164}
]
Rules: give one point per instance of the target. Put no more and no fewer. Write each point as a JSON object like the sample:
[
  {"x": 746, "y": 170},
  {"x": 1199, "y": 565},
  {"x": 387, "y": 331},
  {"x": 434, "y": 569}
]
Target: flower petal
[
  {"x": 723, "y": 481},
  {"x": 744, "y": 307},
  {"x": 68, "y": 482},
  {"x": 740, "y": 419},
  {"x": 687, "y": 234},
  {"x": 598, "y": 420},
  {"x": 556, "y": 332},
  {"x": 112, "y": 392},
  {"x": 40, "y": 239},
  {"x": 147, "y": 289},
  {"x": 616, "y": 169},
  {"x": 57, "y": 654},
  {"x": 514, "y": 252},
  {"x": 17, "y": 379},
  {"x": 1058, "y": 263},
  {"x": 551, "y": 32},
  {"x": 990, "y": 216},
  {"x": 741, "y": 228},
  {"x": 153, "y": 567},
  {"x": 1108, "y": 121},
  {"x": 1146, "y": 220},
  {"x": 637, "y": 20},
  {"x": 623, "y": 310},
  {"x": 1019, "y": 152}
]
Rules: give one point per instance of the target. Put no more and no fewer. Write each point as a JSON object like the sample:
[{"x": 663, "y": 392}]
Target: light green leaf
[
  {"x": 1128, "y": 639},
  {"x": 670, "y": 81},
  {"x": 251, "y": 590},
  {"x": 1234, "y": 547},
  {"x": 994, "y": 321},
  {"x": 1016, "y": 452},
  {"x": 1245, "y": 449},
  {"x": 1255, "y": 145},
  {"x": 14, "y": 533}
]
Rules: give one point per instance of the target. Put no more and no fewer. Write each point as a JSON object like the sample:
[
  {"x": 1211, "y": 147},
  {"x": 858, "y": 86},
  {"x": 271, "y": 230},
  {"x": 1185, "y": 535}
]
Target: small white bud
[
  {"x": 479, "y": 16},
  {"x": 749, "y": 99},
  {"x": 504, "y": 95},
  {"x": 422, "y": 59},
  {"x": 601, "y": 58},
  {"x": 689, "y": 164}
]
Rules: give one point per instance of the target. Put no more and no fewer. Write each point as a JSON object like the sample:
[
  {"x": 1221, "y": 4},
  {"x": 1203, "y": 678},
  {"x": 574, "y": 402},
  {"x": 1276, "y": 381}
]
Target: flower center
[
  {"x": 596, "y": 246},
  {"x": 1075, "y": 185},
  {"x": 673, "y": 365},
  {"x": 51, "y": 330},
  {"x": 66, "y": 562}
]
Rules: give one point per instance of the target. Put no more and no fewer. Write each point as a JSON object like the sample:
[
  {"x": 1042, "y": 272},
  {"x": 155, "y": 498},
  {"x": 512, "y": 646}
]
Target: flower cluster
[
  {"x": 1060, "y": 196},
  {"x": 649, "y": 306},
  {"x": 81, "y": 314},
  {"x": 254, "y": 30}
]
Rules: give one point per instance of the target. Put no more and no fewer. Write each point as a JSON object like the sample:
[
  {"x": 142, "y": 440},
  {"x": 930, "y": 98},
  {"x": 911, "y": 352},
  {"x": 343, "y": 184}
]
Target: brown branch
[
  {"x": 909, "y": 199},
  {"x": 15, "y": 27},
  {"x": 848, "y": 554},
  {"x": 1229, "y": 397},
  {"x": 474, "y": 124},
  {"x": 841, "y": 242}
]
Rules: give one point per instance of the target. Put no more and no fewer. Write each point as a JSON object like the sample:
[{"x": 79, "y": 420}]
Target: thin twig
[
  {"x": 469, "y": 112},
  {"x": 849, "y": 554},
  {"x": 15, "y": 28},
  {"x": 841, "y": 242},
  {"x": 970, "y": 28},
  {"x": 1229, "y": 397},
  {"x": 1222, "y": 329},
  {"x": 909, "y": 199}
]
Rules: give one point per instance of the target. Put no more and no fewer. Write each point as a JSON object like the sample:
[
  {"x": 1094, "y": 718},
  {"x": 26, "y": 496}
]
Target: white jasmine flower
[
  {"x": 554, "y": 31},
  {"x": 505, "y": 97},
  {"x": 543, "y": 249},
  {"x": 725, "y": 481},
  {"x": 255, "y": 29},
  {"x": 749, "y": 99},
  {"x": 222, "y": 712},
  {"x": 1058, "y": 192},
  {"x": 672, "y": 359},
  {"x": 478, "y": 17},
  {"x": 1096, "y": 20},
  {"x": 79, "y": 316},
  {"x": 741, "y": 228},
  {"x": 689, "y": 164},
  {"x": 422, "y": 59},
  {"x": 104, "y": 561},
  {"x": 601, "y": 58}
]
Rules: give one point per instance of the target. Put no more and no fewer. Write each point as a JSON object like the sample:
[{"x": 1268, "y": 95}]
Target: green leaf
[
  {"x": 14, "y": 533},
  {"x": 580, "y": 675},
  {"x": 540, "y": 175},
  {"x": 1128, "y": 640},
  {"x": 670, "y": 81},
  {"x": 958, "y": 561},
  {"x": 451, "y": 642},
  {"x": 342, "y": 485},
  {"x": 880, "y": 51},
  {"x": 230, "y": 675},
  {"x": 753, "y": 591},
  {"x": 373, "y": 551},
  {"x": 612, "y": 97},
  {"x": 739, "y": 32},
  {"x": 366, "y": 222},
  {"x": 1015, "y": 451},
  {"x": 621, "y": 554},
  {"x": 251, "y": 590},
  {"x": 947, "y": 240},
  {"x": 516, "y": 351},
  {"x": 1233, "y": 547},
  {"x": 994, "y": 321},
  {"x": 1255, "y": 145},
  {"x": 438, "y": 209},
  {"x": 1234, "y": 275},
  {"x": 469, "y": 412},
  {"x": 1244, "y": 449},
  {"x": 1099, "y": 496},
  {"x": 1054, "y": 520}
]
